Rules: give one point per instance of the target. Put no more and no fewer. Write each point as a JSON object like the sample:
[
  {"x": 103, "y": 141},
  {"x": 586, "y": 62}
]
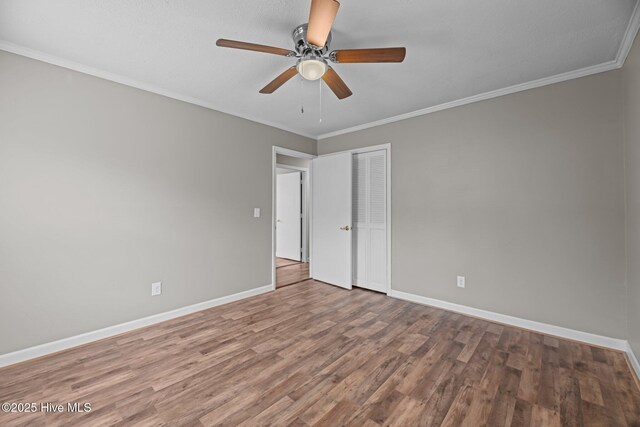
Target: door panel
[
  {"x": 331, "y": 215},
  {"x": 360, "y": 243},
  {"x": 377, "y": 274},
  {"x": 288, "y": 216},
  {"x": 370, "y": 220}
]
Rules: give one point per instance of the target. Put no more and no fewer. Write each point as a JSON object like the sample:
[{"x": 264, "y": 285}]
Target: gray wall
[
  {"x": 292, "y": 161},
  {"x": 105, "y": 189},
  {"x": 631, "y": 81},
  {"x": 522, "y": 194}
]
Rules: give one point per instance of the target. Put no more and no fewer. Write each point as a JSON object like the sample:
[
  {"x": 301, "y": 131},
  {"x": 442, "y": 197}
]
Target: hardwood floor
[
  {"x": 314, "y": 354},
  {"x": 289, "y": 272},
  {"x": 283, "y": 262}
]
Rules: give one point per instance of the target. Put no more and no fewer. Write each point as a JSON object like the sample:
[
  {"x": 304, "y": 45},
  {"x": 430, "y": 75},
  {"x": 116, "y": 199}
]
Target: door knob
[{"x": 345, "y": 228}]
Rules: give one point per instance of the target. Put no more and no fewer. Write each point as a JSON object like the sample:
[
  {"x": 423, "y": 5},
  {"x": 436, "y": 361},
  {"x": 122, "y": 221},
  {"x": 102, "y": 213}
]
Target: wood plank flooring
[
  {"x": 314, "y": 354},
  {"x": 283, "y": 262},
  {"x": 289, "y": 272}
]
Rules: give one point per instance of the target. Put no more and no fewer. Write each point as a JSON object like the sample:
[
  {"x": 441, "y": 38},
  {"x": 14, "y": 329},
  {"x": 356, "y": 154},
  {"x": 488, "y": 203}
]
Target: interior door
[
  {"x": 331, "y": 219},
  {"x": 289, "y": 216}
]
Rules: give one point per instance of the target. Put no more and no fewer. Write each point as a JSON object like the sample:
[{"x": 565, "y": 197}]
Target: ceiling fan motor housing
[{"x": 303, "y": 47}]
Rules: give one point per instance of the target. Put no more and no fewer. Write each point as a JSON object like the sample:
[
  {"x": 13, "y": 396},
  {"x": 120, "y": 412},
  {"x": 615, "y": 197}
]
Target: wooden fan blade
[
  {"x": 386, "y": 54},
  {"x": 234, "y": 44},
  {"x": 280, "y": 80},
  {"x": 336, "y": 84},
  {"x": 321, "y": 17}
]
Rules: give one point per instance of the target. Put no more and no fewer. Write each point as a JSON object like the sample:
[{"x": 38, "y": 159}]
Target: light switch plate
[
  {"x": 256, "y": 212},
  {"x": 156, "y": 288}
]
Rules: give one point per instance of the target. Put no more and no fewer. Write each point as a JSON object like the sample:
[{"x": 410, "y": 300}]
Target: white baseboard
[
  {"x": 558, "y": 331},
  {"x": 634, "y": 360},
  {"x": 66, "y": 343}
]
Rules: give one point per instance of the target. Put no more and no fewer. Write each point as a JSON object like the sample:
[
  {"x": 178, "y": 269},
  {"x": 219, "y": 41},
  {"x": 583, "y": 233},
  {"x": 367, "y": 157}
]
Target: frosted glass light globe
[{"x": 311, "y": 69}]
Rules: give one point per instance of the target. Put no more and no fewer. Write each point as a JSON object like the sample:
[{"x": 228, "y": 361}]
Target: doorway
[{"x": 292, "y": 172}]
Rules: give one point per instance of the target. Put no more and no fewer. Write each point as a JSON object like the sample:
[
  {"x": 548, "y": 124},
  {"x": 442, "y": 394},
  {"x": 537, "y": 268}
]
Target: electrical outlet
[
  {"x": 156, "y": 288},
  {"x": 256, "y": 212},
  {"x": 461, "y": 281}
]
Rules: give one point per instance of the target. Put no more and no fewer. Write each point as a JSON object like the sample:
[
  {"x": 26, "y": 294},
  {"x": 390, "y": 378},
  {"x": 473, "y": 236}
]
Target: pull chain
[
  {"x": 320, "y": 98},
  {"x": 301, "y": 95}
]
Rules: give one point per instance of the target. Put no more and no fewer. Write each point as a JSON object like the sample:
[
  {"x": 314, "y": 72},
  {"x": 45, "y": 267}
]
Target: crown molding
[
  {"x": 583, "y": 72},
  {"x": 629, "y": 36},
  {"x": 623, "y": 51},
  {"x": 75, "y": 66}
]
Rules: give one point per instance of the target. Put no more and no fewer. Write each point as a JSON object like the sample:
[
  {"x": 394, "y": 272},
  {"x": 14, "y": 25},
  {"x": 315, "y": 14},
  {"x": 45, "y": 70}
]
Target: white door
[
  {"x": 370, "y": 220},
  {"x": 331, "y": 219},
  {"x": 288, "y": 216}
]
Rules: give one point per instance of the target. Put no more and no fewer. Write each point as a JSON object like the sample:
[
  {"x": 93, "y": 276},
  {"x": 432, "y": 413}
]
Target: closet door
[{"x": 370, "y": 220}]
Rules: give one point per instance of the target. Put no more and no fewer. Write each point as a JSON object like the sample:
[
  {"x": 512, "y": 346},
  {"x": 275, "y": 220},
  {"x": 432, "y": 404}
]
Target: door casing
[{"x": 306, "y": 205}]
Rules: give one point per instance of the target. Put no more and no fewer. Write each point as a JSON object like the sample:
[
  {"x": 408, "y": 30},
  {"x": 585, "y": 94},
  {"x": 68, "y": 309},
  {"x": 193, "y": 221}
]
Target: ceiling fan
[{"x": 311, "y": 43}]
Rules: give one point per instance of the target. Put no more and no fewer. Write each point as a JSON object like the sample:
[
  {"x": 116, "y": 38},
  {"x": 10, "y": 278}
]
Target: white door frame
[
  {"x": 304, "y": 173},
  {"x": 300, "y": 155},
  {"x": 387, "y": 148}
]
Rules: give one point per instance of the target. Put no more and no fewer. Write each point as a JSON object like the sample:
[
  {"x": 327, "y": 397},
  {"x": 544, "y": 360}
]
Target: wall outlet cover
[
  {"x": 156, "y": 288},
  {"x": 461, "y": 282}
]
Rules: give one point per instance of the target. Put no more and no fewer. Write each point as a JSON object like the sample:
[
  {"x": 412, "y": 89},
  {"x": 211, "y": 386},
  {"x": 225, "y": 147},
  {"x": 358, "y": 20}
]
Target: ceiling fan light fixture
[
  {"x": 312, "y": 44},
  {"x": 311, "y": 68}
]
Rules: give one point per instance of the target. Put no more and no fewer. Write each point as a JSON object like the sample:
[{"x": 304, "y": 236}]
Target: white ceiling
[{"x": 455, "y": 49}]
